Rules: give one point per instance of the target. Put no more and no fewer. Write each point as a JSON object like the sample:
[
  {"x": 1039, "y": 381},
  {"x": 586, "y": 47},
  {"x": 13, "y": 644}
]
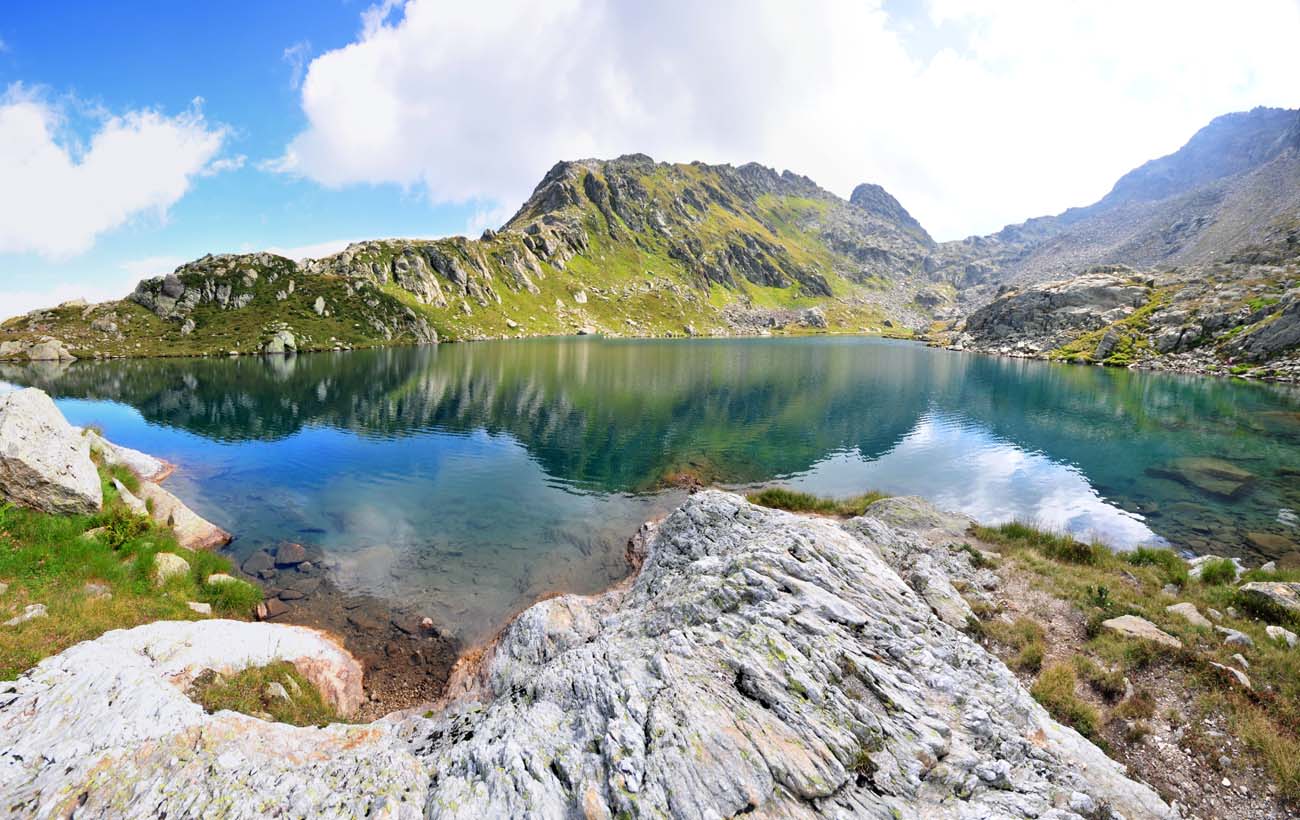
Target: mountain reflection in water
[{"x": 475, "y": 477}]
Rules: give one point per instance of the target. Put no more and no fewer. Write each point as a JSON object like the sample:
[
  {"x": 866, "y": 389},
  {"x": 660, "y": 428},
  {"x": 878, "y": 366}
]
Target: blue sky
[{"x": 135, "y": 136}]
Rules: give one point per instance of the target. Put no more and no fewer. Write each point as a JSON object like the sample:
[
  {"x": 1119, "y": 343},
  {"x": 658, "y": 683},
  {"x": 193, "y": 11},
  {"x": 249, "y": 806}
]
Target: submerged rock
[
  {"x": 44, "y": 461},
  {"x": 759, "y": 662},
  {"x": 1209, "y": 475}
]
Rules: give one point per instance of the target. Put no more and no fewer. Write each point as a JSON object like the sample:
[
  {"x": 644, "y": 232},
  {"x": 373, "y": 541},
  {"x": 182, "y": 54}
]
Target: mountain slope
[
  {"x": 1214, "y": 229},
  {"x": 1233, "y": 191},
  {"x": 621, "y": 247}
]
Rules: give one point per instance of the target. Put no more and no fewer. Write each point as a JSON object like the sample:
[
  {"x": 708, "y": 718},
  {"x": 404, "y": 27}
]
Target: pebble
[{"x": 200, "y": 607}]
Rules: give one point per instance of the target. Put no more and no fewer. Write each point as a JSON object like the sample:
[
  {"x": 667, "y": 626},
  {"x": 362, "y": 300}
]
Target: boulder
[
  {"x": 1281, "y": 635},
  {"x": 168, "y": 565},
  {"x": 30, "y": 612},
  {"x": 1131, "y": 626},
  {"x": 1283, "y": 594},
  {"x": 44, "y": 463},
  {"x": 128, "y": 498},
  {"x": 289, "y": 554},
  {"x": 193, "y": 531},
  {"x": 142, "y": 464},
  {"x": 1188, "y": 612},
  {"x": 49, "y": 351},
  {"x": 281, "y": 342},
  {"x": 759, "y": 662}
]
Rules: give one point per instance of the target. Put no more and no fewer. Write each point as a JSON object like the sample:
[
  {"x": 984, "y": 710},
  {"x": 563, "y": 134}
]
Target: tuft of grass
[
  {"x": 782, "y": 498},
  {"x": 1172, "y": 567},
  {"x": 1108, "y": 683},
  {"x": 250, "y": 691},
  {"x": 1023, "y": 635},
  {"x": 1057, "y": 546},
  {"x": 1219, "y": 572},
  {"x": 1055, "y": 690}
]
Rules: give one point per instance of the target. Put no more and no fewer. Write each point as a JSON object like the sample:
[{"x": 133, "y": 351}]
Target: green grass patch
[
  {"x": 781, "y": 498},
  {"x": 277, "y": 691},
  {"x": 1057, "y": 546},
  {"x": 91, "y": 584},
  {"x": 1055, "y": 690},
  {"x": 1022, "y": 635}
]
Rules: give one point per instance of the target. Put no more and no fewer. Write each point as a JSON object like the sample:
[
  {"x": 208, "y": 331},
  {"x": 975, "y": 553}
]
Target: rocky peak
[
  {"x": 1231, "y": 144},
  {"x": 876, "y": 200}
]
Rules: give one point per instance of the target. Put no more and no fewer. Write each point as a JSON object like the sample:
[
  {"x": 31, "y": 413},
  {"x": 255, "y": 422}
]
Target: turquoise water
[{"x": 471, "y": 479}]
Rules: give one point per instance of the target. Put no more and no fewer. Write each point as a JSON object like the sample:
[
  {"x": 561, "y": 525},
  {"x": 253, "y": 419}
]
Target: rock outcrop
[
  {"x": 759, "y": 662},
  {"x": 44, "y": 461}
]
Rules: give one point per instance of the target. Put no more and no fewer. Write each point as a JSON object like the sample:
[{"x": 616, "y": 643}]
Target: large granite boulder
[
  {"x": 759, "y": 662},
  {"x": 44, "y": 461}
]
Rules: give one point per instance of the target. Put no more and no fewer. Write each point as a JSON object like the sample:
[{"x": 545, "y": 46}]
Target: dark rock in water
[
  {"x": 1209, "y": 475},
  {"x": 290, "y": 595},
  {"x": 1270, "y": 543},
  {"x": 304, "y": 584},
  {"x": 257, "y": 562},
  {"x": 365, "y": 621},
  {"x": 1289, "y": 561},
  {"x": 270, "y": 609},
  {"x": 290, "y": 553}
]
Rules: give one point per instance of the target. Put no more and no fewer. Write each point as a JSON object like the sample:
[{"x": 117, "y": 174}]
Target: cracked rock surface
[{"x": 759, "y": 662}]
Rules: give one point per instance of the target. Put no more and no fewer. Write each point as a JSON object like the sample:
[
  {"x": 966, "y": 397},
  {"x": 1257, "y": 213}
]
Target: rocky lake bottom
[{"x": 461, "y": 483}]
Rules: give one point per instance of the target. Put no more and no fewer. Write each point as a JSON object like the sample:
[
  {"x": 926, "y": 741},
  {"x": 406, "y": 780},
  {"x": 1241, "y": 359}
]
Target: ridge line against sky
[{"x": 300, "y": 125}]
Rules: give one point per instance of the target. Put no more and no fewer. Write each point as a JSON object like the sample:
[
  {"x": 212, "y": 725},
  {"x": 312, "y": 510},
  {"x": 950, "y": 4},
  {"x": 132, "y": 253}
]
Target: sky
[{"x": 135, "y": 136}]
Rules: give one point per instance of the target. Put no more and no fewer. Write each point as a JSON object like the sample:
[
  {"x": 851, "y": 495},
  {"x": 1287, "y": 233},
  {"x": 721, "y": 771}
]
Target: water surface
[{"x": 467, "y": 480}]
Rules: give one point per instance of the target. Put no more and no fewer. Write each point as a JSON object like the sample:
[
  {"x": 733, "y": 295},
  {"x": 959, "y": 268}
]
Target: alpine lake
[{"x": 467, "y": 480}]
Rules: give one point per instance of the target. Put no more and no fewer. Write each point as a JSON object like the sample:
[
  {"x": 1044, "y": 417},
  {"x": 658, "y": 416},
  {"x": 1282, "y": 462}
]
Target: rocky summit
[{"x": 759, "y": 662}]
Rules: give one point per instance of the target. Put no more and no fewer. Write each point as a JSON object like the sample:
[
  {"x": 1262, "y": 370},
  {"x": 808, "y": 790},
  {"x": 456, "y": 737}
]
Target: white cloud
[
  {"x": 1025, "y": 107},
  {"x": 59, "y": 196},
  {"x": 296, "y": 56}
]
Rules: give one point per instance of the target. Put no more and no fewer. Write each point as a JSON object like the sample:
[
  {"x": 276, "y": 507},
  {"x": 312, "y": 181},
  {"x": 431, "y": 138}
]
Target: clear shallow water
[{"x": 470, "y": 479}]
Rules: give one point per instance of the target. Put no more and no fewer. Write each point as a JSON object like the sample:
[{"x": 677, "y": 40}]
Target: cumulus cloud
[
  {"x": 59, "y": 195},
  {"x": 975, "y": 114}
]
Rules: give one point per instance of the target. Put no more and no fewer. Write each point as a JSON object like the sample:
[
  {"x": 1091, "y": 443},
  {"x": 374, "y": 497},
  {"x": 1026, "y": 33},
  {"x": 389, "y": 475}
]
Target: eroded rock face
[
  {"x": 759, "y": 662},
  {"x": 44, "y": 461},
  {"x": 1046, "y": 316}
]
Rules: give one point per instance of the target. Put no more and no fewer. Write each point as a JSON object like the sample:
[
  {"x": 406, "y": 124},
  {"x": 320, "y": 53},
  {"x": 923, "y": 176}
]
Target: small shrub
[
  {"x": 1218, "y": 572},
  {"x": 1139, "y": 707},
  {"x": 1099, "y": 596},
  {"x": 1137, "y": 732},
  {"x": 121, "y": 525},
  {"x": 1110, "y": 684},
  {"x": 1055, "y": 690}
]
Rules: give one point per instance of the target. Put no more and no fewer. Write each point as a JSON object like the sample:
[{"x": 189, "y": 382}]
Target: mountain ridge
[{"x": 631, "y": 246}]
